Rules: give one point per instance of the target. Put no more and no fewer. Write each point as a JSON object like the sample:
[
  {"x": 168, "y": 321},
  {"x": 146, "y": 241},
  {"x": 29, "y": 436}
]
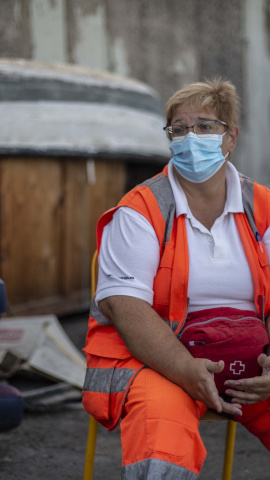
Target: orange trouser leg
[
  {"x": 256, "y": 418},
  {"x": 159, "y": 431}
]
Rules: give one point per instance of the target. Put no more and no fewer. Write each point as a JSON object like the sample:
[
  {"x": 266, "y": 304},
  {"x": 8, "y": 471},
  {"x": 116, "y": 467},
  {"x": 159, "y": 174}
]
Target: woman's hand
[
  {"x": 251, "y": 390},
  {"x": 198, "y": 381}
]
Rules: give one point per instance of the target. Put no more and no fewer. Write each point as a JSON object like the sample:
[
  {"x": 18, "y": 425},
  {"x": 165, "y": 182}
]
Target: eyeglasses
[{"x": 204, "y": 127}]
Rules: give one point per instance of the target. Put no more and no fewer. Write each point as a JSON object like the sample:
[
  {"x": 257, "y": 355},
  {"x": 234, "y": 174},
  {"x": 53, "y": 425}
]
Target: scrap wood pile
[{"x": 38, "y": 357}]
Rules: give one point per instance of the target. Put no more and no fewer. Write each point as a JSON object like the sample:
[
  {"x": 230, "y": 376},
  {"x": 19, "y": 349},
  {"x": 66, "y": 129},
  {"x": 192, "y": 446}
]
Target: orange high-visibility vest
[{"x": 110, "y": 366}]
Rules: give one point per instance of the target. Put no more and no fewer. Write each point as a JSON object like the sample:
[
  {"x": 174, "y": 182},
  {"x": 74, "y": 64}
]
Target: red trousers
[{"x": 159, "y": 430}]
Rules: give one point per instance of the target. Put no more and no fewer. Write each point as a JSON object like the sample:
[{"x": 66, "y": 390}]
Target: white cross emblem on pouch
[{"x": 237, "y": 367}]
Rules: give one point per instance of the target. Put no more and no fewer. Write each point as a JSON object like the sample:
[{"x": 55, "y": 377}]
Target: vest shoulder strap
[
  {"x": 256, "y": 209},
  {"x": 162, "y": 191}
]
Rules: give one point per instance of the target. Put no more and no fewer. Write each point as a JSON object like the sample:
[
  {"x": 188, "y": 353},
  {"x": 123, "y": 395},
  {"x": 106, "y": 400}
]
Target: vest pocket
[
  {"x": 106, "y": 381},
  {"x": 107, "y": 378}
]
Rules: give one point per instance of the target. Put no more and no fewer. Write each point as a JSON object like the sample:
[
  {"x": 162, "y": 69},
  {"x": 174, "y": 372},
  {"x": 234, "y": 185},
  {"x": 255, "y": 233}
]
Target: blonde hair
[{"x": 217, "y": 96}]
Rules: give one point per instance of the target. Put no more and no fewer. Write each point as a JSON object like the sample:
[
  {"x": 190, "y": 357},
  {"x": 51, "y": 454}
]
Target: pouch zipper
[{"x": 217, "y": 318}]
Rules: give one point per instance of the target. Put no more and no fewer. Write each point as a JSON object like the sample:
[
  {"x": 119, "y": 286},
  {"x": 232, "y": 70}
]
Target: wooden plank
[
  {"x": 58, "y": 304},
  {"x": 31, "y": 203},
  {"x": 105, "y": 193},
  {"x": 74, "y": 269}
]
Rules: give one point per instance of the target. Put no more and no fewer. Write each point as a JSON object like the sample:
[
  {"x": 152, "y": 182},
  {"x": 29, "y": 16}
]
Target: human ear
[{"x": 232, "y": 137}]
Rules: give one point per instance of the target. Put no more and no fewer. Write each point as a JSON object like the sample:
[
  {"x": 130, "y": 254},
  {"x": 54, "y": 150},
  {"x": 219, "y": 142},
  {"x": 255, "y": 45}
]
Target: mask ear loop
[{"x": 227, "y": 154}]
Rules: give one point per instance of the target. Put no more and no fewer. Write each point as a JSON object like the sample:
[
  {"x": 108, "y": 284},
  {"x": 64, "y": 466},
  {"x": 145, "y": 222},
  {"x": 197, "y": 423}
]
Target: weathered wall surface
[
  {"x": 15, "y": 29},
  {"x": 254, "y": 148},
  {"x": 163, "y": 43}
]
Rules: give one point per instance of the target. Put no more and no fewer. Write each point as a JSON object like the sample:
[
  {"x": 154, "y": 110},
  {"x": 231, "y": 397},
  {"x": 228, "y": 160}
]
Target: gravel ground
[{"x": 51, "y": 446}]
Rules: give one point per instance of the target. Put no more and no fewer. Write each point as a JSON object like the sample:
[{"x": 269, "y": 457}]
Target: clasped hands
[
  {"x": 244, "y": 391},
  {"x": 247, "y": 391}
]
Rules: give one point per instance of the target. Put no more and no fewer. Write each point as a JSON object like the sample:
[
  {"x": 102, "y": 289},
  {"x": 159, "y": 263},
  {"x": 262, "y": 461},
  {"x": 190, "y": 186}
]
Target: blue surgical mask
[{"x": 197, "y": 158}]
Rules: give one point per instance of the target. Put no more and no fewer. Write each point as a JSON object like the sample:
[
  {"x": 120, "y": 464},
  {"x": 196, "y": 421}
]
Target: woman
[{"x": 191, "y": 244}]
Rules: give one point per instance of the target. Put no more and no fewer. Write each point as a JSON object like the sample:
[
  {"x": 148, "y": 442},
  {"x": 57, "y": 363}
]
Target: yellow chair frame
[{"x": 209, "y": 416}]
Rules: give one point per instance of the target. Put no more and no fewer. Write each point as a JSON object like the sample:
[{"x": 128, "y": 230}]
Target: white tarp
[{"x": 40, "y": 343}]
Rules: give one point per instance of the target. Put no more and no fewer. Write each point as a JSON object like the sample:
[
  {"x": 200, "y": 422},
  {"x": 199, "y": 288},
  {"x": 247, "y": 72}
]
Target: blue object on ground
[
  {"x": 11, "y": 407},
  {"x": 3, "y": 298}
]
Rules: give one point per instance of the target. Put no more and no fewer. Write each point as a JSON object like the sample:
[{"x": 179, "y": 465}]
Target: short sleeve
[
  {"x": 128, "y": 257},
  {"x": 266, "y": 242}
]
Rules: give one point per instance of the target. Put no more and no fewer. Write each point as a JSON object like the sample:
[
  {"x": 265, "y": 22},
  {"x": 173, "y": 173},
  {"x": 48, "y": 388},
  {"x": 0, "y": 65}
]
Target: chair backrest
[{"x": 94, "y": 265}]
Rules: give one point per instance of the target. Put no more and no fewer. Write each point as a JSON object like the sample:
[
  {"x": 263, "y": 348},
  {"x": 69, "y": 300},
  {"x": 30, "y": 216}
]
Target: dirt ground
[{"x": 51, "y": 445}]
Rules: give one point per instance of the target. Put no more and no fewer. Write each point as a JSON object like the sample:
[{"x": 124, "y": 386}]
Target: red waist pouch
[{"x": 236, "y": 336}]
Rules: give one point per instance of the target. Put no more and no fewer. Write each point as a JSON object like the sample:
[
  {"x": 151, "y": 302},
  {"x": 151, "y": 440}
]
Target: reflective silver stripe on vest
[
  {"x": 97, "y": 314},
  {"x": 154, "y": 469},
  {"x": 162, "y": 190},
  {"x": 247, "y": 187},
  {"x": 107, "y": 380},
  {"x": 173, "y": 325}
]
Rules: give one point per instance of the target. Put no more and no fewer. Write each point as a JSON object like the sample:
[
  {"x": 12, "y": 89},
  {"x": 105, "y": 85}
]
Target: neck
[{"x": 206, "y": 200}]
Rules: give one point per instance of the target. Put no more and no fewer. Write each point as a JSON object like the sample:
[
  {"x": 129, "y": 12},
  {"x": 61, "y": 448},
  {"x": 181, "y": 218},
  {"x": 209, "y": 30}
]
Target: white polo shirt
[{"x": 219, "y": 273}]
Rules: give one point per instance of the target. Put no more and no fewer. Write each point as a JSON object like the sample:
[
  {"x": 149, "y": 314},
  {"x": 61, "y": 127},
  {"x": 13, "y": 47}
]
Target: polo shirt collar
[{"x": 233, "y": 203}]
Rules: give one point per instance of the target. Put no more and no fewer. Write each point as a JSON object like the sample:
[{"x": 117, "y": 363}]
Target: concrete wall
[
  {"x": 254, "y": 154},
  {"x": 165, "y": 43}
]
